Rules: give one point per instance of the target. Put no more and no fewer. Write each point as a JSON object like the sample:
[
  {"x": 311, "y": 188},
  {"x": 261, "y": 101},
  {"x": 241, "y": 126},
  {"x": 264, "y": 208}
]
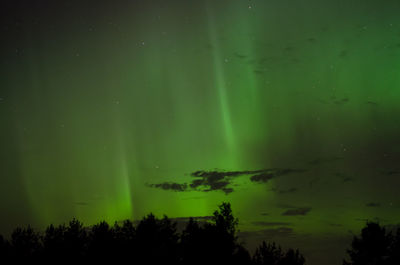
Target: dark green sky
[{"x": 288, "y": 109}]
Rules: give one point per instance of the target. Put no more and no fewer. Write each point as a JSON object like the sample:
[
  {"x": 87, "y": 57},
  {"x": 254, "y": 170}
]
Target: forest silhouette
[{"x": 157, "y": 241}]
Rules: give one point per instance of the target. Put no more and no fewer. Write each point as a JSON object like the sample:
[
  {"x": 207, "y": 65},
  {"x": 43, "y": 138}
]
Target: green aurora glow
[{"x": 99, "y": 101}]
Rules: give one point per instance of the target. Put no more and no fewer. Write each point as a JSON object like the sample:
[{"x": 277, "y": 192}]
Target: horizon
[{"x": 54, "y": 240}]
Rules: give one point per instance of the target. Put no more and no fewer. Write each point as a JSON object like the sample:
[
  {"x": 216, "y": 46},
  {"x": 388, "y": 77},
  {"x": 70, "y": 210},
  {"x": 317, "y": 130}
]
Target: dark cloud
[
  {"x": 341, "y": 101},
  {"x": 217, "y": 180},
  {"x": 373, "y": 204},
  {"x": 344, "y": 177},
  {"x": 206, "y": 181},
  {"x": 196, "y": 183},
  {"x": 391, "y": 172},
  {"x": 218, "y": 185},
  {"x": 281, "y": 172},
  {"x": 270, "y": 174},
  {"x": 286, "y": 206},
  {"x": 263, "y": 177},
  {"x": 227, "y": 190},
  {"x": 362, "y": 220},
  {"x": 336, "y": 225},
  {"x": 372, "y": 219},
  {"x": 297, "y": 211},
  {"x": 170, "y": 186},
  {"x": 319, "y": 161},
  {"x": 196, "y": 218},
  {"x": 268, "y": 233},
  {"x": 347, "y": 179},
  {"x": 291, "y": 190},
  {"x": 262, "y": 223}
]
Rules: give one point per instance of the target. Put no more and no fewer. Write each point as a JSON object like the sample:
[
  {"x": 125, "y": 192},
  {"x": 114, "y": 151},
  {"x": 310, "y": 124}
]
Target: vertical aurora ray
[
  {"x": 237, "y": 80},
  {"x": 117, "y": 204},
  {"x": 220, "y": 85}
]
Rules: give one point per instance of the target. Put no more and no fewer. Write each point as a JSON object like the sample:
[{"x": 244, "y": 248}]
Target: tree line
[
  {"x": 151, "y": 241},
  {"x": 157, "y": 241}
]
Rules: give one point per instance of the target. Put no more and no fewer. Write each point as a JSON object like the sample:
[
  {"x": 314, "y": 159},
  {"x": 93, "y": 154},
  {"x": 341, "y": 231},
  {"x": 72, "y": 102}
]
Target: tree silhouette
[
  {"x": 152, "y": 241},
  {"x": 101, "y": 241},
  {"x": 192, "y": 243},
  {"x": 372, "y": 248},
  {"x": 4, "y": 249},
  {"x": 157, "y": 240},
  {"x": 394, "y": 258},
  {"x": 270, "y": 254},
  {"x": 54, "y": 242},
  {"x": 224, "y": 220},
  {"x": 222, "y": 234},
  {"x": 25, "y": 243},
  {"x": 75, "y": 240},
  {"x": 292, "y": 257},
  {"x": 214, "y": 242},
  {"x": 241, "y": 256},
  {"x": 267, "y": 254},
  {"x": 124, "y": 239}
]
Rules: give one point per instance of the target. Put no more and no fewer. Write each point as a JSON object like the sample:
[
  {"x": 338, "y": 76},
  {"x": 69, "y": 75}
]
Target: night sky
[{"x": 287, "y": 109}]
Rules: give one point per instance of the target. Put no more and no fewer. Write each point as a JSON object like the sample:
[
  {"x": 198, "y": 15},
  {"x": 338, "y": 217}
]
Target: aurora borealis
[{"x": 287, "y": 109}]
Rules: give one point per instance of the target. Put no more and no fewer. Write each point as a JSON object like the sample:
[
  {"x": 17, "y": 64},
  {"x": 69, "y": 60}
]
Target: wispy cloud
[
  {"x": 324, "y": 160},
  {"x": 264, "y": 177},
  {"x": 269, "y": 233},
  {"x": 291, "y": 190},
  {"x": 170, "y": 186},
  {"x": 262, "y": 223},
  {"x": 391, "y": 172},
  {"x": 373, "y": 204},
  {"x": 297, "y": 211},
  {"x": 344, "y": 177},
  {"x": 196, "y": 218}
]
